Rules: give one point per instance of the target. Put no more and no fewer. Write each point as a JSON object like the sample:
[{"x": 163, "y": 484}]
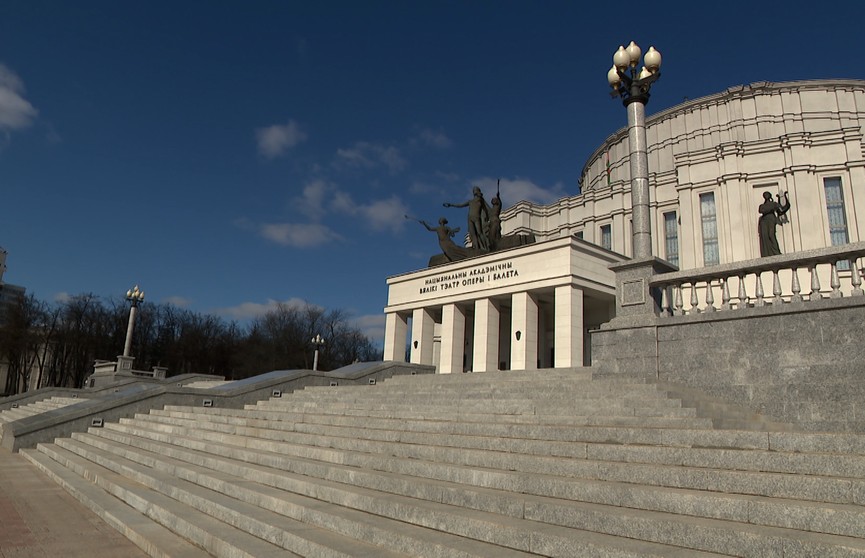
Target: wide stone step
[
  {"x": 486, "y": 395},
  {"x": 503, "y": 377},
  {"x": 621, "y": 494},
  {"x": 280, "y": 528},
  {"x": 567, "y": 432},
  {"x": 245, "y": 495},
  {"x": 21, "y": 412},
  {"x": 536, "y": 414},
  {"x": 537, "y": 441},
  {"x": 546, "y": 388},
  {"x": 226, "y": 414},
  {"x": 695, "y": 533},
  {"x": 216, "y": 537},
  {"x": 394, "y": 456},
  {"x": 147, "y": 534},
  {"x": 508, "y": 531},
  {"x": 504, "y": 407}
]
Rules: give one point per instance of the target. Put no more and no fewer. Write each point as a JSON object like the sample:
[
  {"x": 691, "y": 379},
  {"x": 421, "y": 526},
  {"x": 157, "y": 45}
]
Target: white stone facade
[
  {"x": 804, "y": 137},
  {"x": 518, "y": 309},
  {"x": 710, "y": 161}
]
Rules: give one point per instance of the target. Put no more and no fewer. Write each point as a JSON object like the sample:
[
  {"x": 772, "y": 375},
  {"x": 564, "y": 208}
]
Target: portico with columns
[{"x": 524, "y": 308}]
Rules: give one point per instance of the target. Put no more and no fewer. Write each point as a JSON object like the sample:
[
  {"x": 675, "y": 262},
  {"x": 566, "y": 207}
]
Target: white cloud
[
  {"x": 372, "y": 326},
  {"x": 312, "y": 202},
  {"x": 298, "y": 235},
  {"x": 15, "y": 111},
  {"x": 62, "y": 297},
  {"x": 385, "y": 214},
  {"x": 381, "y": 215},
  {"x": 434, "y": 138},
  {"x": 275, "y": 140},
  {"x": 320, "y": 198},
  {"x": 513, "y": 191},
  {"x": 369, "y": 155},
  {"x": 251, "y": 310}
]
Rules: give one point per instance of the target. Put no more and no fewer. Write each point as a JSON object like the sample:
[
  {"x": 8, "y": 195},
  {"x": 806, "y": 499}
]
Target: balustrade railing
[{"x": 831, "y": 273}]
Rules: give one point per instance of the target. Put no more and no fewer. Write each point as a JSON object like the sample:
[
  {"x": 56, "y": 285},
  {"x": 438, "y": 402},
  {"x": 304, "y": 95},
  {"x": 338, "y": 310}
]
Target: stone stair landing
[{"x": 535, "y": 463}]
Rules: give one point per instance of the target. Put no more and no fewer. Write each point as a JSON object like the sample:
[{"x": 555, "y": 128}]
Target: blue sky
[{"x": 227, "y": 155}]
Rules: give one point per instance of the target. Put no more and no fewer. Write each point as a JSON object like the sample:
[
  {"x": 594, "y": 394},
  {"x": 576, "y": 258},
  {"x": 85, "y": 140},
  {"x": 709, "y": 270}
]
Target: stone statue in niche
[
  {"x": 484, "y": 229},
  {"x": 771, "y": 212}
]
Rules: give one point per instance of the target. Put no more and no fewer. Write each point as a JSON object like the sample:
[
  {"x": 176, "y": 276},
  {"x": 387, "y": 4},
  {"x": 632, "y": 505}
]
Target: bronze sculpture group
[{"x": 484, "y": 230}]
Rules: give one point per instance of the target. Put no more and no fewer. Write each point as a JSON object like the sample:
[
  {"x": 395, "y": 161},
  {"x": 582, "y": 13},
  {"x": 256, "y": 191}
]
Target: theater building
[{"x": 710, "y": 161}]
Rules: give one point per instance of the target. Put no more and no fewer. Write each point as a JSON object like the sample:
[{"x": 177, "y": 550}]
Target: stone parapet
[{"x": 797, "y": 363}]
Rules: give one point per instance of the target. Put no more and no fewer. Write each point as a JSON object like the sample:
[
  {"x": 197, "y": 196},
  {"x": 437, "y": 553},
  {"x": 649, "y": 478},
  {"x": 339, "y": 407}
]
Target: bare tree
[{"x": 61, "y": 342}]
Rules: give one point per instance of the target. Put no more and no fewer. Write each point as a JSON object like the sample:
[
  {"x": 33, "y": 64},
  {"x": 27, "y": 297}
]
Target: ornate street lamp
[
  {"x": 317, "y": 342},
  {"x": 634, "y": 91},
  {"x": 135, "y": 297}
]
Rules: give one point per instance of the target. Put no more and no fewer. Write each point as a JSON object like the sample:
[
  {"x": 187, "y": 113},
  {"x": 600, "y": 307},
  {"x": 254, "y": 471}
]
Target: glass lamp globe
[
  {"x": 652, "y": 59},
  {"x": 613, "y": 77},
  {"x": 634, "y": 53},
  {"x": 621, "y": 59}
]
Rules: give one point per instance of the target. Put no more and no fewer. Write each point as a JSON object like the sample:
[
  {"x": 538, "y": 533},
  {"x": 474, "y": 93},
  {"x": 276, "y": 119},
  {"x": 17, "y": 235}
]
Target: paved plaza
[{"x": 38, "y": 519}]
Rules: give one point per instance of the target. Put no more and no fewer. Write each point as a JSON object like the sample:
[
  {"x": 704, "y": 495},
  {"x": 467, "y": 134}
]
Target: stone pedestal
[{"x": 636, "y": 303}]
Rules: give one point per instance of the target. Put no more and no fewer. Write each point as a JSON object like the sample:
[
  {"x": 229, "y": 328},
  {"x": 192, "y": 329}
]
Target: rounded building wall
[{"x": 710, "y": 160}]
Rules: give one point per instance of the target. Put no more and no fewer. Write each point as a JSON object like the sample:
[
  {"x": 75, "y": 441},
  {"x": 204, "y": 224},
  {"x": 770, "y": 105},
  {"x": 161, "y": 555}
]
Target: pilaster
[
  {"x": 453, "y": 334},
  {"x": 422, "y": 330},
  {"x": 395, "y": 331},
  {"x": 524, "y": 331},
  {"x": 486, "y": 336}
]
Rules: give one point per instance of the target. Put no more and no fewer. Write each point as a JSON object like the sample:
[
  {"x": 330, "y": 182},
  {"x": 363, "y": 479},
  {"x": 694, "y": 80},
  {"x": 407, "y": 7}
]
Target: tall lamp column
[
  {"x": 634, "y": 91},
  {"x": 317, "y": 342},
  {"x": 135, "y": 297}
]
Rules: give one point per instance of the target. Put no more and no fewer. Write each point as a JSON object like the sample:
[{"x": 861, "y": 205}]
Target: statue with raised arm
[
  {"x": 478, "y": 216},
  {"x": 770, "y": 216},
  {"x": 445, "y": 234}
]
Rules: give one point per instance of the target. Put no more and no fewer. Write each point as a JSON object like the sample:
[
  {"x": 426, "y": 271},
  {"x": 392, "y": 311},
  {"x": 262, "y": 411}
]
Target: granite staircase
[
  {"x": 38, "y": 407},
  {"x": 535, "y": 463}
]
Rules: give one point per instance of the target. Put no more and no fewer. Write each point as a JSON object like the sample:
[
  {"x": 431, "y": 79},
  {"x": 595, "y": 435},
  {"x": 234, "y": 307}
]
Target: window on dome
[
  {"x": 837, "y": 214},
  {"x": 671, "y": 238},
  {"x": 708, "y": 215}
]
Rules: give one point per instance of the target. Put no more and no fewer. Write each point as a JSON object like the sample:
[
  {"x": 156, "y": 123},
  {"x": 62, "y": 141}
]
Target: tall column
[
  {"x": 395, "y": 331},
  {"x": 127, "y": 346},
  {"x": 569, "y": 326},
  {"x": 453, "y": 339},
  {"x": 486, "y": 336},
  {"x": 524, "y": 324},
  {"x": 639, "y": 162},
  {"x": 422, "y": 329}
]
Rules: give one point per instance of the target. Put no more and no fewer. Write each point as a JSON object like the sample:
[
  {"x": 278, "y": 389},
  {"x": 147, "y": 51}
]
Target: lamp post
[
  {"x": 634, "y": 91},
  {"x": 317, "y": 342},
  {"x": 135, "y": 297}
]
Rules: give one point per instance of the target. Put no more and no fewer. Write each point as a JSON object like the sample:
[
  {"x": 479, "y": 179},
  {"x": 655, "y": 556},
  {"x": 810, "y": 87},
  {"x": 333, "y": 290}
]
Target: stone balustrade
[{"x": 796, "y": 278}]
